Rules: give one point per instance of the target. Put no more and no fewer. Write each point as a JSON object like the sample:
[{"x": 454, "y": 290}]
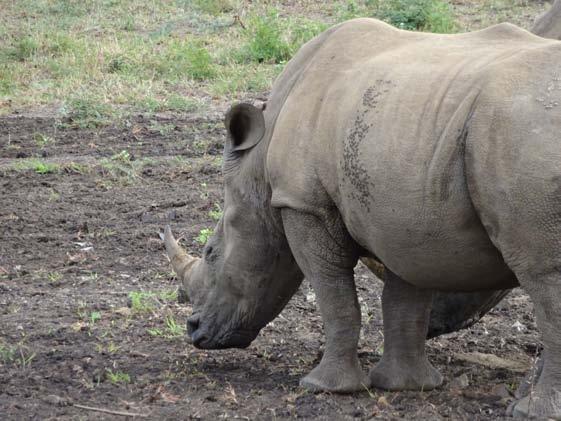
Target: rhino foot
[
  {"x": 545, "y": 405},
  {"x": 336, "y": 376},
  {"x": 391, "y": 374}
]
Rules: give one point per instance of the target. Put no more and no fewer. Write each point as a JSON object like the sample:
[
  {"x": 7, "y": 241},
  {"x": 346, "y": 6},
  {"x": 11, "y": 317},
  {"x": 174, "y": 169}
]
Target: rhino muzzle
[{"x": 205, "y": 330}]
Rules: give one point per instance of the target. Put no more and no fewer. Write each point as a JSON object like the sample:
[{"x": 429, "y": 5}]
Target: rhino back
[{"x": 376, "y": 126}]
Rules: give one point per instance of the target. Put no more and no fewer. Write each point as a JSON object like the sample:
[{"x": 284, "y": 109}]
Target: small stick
[
  {"x": 238, "y": 19},
  {"x": 109, "y": 411}
]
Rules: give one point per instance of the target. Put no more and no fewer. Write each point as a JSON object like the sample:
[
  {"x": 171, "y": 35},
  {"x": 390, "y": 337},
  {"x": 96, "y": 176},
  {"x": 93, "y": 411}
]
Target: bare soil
[{"x": 75, "y": 243}]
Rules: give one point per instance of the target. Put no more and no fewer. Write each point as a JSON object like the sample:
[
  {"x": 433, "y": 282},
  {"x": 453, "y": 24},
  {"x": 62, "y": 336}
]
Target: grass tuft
[
  {"x": 40, "y": 167},
  {"x": 186, "y": 57},
  {"x": 147, "y": 301},
  {"x": 204, "y": 235},
  {"x": 117, "y": 377},
  {"x": 170, "y": 330},
  {"x": 418, "y": 15},
  {"x": 87, "y": 113},
  {"x": 273, "y": 39}
]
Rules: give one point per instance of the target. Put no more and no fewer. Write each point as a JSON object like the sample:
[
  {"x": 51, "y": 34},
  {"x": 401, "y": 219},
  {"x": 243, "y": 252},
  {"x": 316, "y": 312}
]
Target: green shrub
[
  {"x": 418, "y": 15},
  {"x": 267, "y": 39},
  {"x": 271, "y": 38},
  {"x": 87, "y": 113},
  {"x": 412, "y": 15},
  {"x": 186, "y": 58},
  {"x": 24, "y": 49}
]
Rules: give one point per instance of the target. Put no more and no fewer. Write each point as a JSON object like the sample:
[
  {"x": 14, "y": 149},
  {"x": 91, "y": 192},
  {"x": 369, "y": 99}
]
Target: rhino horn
[{"x": 181, "y": 262}]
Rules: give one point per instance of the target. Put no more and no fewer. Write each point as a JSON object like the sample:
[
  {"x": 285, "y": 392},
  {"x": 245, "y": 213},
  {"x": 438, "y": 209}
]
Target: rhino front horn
[{"x": 181, "y": 262}]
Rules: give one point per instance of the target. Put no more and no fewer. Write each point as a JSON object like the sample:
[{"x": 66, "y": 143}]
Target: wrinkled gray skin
[{"x": 438, "y": 155}]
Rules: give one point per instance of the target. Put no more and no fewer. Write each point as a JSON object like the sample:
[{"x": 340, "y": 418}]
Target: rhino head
[{"x": 247, "y": 272}]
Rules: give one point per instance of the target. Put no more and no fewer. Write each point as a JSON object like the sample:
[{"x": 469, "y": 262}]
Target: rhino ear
[{"x": 246, "y": 126}]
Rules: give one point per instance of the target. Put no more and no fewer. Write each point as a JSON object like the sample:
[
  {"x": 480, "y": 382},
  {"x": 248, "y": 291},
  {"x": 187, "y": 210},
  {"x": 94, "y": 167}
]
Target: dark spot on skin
[
  {"x": 369, "y": 97},
  {"x": 353, "y": 167}
]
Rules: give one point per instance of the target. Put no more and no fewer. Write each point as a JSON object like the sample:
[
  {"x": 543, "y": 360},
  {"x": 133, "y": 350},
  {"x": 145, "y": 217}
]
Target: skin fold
[{"x": 436, "y": 155}]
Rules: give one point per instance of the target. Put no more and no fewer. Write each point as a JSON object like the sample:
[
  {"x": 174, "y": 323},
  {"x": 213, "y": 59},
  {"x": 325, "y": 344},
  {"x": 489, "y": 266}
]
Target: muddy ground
[{"x": 74, "y": 243}]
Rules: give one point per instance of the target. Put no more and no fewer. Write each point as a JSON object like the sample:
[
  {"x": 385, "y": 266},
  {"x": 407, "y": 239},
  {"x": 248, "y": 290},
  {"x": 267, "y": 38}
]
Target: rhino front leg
[
  {"x": 406, "y": 312},
  {"x": 327, "y": 255}
]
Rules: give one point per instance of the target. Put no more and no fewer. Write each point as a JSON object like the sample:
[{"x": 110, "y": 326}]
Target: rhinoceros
[
  {"x": 548, "y": 24},
  {"x": 437, "y": 155}
]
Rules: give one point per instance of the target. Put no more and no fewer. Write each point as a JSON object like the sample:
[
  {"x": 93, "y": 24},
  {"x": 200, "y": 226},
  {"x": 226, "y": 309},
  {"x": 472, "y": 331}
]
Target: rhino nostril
[
  {"x": 198, "y": 338},
  {"x": 192, "y": 324}
]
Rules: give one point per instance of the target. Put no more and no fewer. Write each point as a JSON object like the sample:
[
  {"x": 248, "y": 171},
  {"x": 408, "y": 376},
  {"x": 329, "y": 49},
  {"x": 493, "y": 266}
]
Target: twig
[
  {"x": 109, "y": 411},
  {"x": 238, "y": 20}
]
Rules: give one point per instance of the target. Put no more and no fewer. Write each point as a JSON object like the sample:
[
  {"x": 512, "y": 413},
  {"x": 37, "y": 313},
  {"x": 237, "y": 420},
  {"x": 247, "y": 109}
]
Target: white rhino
[
  {"x": 548, "y": 24},
  {"x": 438, "y": 155}
]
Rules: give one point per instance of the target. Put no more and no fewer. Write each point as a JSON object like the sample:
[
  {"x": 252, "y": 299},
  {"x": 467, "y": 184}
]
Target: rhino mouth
[
  {"x": 203, "y": 337},
  {"x": 234, "y": 339}
]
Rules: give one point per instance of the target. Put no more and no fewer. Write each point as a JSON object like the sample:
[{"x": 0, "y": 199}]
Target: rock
[
  {"x": 500, "y": 391},
  {"x": 56, "y": 400},
  {"x": 382, "y": 402},
  {"x": 123, "y": 311},
  {"x": 517, "y": 326},
  {"x": 460, "y": 382}
]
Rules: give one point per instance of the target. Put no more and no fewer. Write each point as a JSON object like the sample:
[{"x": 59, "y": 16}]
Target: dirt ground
[{"x": 74, "y": 244}]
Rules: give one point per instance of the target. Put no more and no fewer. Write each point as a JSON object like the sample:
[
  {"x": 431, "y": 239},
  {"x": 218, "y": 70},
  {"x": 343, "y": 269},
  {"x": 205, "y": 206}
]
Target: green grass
[
  {"x": 204, "y": 235},
  {"x": 43, "y": 167},
  {"x": 148, "y": 301},
  {"x": 87, "y": 113},
  {"x": 54, "y": 277},
  {"x": 213, "y": 7},
  {"x": 414, "y": 15},
  {"x": 418, "y": 15},
  {"x": 95, "y": 316},
  {"x": 40, "y": 167},
  {"x": 216, "y": 213},
  {"x": 117, "y": 377},
  {"x": 122, "y": 169},
  {"x": 43, "y": 140},
  {"x": 18, "y": 355},
  {"x": 271, "y": 38},
  {"x": 170, "y": 330},
  {"x": 7, "y": 353},
  {"x": 96, "y": 62}
]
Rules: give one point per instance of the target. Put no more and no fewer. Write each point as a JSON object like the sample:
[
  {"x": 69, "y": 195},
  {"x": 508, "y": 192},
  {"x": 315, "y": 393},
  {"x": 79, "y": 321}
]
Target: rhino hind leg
[
  {"x": 544, "y": 399},
  {"x": 451, "y": 311},
  {"x": 404, "y": 364}
]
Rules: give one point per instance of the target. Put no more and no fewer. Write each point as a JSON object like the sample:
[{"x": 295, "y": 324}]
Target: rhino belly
[
  {"x": 445, "y": 257},
  {"x": 428, "y": 241}
]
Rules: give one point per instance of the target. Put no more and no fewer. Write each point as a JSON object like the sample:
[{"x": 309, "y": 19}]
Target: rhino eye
[{"x": 207, "y": 252}]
